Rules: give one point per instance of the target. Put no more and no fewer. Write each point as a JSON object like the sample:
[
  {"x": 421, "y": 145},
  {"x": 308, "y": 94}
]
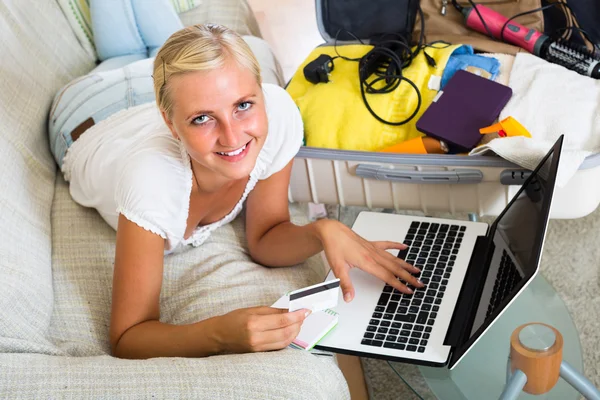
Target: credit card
[{"x": 316, "y": 297}]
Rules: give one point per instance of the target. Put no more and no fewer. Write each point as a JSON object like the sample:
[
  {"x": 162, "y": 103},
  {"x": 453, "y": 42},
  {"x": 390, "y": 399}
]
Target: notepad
[
  {"x": 314, "y": 328},
  {"x": 322, "y": 320}
]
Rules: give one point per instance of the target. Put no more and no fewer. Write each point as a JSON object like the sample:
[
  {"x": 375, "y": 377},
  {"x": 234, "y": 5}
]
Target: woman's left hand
[{"x": 345, "y": 249}]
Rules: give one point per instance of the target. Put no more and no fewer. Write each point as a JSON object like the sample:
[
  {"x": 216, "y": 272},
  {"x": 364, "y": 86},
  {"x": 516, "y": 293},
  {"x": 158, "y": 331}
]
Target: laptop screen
[{"x": 517, "y": 236}]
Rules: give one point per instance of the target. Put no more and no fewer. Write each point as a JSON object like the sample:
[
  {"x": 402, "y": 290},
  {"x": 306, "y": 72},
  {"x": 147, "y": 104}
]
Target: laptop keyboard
[
  {"x": 404, "y": 321},
  {"x": 506, "y": 280}
]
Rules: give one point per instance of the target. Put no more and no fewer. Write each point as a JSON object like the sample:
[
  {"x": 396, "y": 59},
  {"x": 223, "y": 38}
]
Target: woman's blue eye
[
  {"x": 200, "y": 119},
  {"x": 244, "y": 106}
]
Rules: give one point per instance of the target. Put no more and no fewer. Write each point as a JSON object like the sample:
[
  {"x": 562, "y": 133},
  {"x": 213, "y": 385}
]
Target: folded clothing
[
  {"x": 550, "y": 100},
  {"x": 335, "y": 115}
]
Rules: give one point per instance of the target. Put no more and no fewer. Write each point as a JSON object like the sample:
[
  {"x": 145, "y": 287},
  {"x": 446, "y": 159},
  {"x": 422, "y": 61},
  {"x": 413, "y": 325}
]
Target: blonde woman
[{"x": 168, "y": 149}]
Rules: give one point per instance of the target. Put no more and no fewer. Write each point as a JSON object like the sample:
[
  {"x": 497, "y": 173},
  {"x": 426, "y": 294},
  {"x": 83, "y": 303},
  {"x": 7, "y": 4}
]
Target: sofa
[{"x": 56, "y": 257}]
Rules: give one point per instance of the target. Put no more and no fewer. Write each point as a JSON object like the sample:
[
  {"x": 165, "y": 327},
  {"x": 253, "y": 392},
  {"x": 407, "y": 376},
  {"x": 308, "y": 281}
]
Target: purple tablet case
[{"x": 466, "y": 104}]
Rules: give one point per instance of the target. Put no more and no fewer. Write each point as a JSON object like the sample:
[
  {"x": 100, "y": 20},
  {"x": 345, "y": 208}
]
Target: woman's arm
[
  {"x": 135, "y": 330},
  {"x": 274, "y": 241}
]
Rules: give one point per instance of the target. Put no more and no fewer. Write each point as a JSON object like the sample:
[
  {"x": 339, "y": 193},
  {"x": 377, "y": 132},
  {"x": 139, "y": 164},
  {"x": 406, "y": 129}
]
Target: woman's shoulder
[
  {"x": 147, "y": 150},
  {"x": 155, "y": 160},
  {"x": 154, "y": 188},
  {"x": 286, "y": 131},
  {"x": 278, "y": 101},
  {"x": 275, "y": 91}
]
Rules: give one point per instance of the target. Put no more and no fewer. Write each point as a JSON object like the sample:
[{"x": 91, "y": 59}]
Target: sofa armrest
[{"x": 285, "y": 374}]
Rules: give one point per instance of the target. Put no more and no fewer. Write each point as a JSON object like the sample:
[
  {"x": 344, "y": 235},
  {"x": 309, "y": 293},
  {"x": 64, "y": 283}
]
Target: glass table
[{"x": 482, "y": 372}]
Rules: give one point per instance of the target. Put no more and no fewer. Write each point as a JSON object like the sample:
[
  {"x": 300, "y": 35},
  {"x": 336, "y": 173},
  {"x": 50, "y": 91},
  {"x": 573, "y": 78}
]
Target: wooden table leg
[{"x": 352, "y": 369}]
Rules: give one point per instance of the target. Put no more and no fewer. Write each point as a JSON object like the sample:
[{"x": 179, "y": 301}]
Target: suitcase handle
[
  {"x": 460, "y": 176},
  {"x": 514, "y": 176}
]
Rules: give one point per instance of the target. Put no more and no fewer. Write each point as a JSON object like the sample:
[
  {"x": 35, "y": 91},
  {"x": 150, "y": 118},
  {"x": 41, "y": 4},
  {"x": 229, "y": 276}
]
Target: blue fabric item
[
  {"x": 132, "y": 27},
  {"x": 464, "y": 57}
]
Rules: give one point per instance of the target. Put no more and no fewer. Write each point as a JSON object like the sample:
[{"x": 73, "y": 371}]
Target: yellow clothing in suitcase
[{"x": 335, "y": 115}]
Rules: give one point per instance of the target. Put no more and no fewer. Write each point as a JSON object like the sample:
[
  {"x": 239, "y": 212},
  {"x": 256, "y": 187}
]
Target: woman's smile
[{"x": 235, "y": 155}]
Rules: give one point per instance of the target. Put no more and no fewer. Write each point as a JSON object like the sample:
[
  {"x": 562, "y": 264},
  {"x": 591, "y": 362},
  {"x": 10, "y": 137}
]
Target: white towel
[{"x": 550, "y": 100}]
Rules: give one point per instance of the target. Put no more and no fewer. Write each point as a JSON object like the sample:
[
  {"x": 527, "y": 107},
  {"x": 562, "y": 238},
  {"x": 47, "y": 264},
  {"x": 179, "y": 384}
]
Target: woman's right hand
[{"x": 258, "y": 329}]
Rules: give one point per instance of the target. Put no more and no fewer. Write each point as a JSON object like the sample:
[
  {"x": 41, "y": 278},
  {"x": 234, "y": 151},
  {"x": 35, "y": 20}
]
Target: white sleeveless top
[{"x": 130, "y": 164}]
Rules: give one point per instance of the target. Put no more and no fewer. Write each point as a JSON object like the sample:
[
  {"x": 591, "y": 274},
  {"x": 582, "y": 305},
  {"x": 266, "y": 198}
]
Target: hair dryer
[{"x": 570, "y": 55}]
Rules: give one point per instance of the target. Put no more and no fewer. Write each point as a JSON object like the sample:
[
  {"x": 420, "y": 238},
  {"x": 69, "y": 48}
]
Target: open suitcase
[{"x": 427, "y": 183}]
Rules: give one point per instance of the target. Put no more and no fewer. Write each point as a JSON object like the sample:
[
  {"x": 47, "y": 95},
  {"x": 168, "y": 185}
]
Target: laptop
[
  {"x": 472, "y": 273},
  {"x": 467, "y": 103}
]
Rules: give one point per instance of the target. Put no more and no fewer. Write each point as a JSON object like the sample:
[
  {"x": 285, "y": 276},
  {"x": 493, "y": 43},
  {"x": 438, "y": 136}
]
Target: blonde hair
[{"x": 198, "y": 48}]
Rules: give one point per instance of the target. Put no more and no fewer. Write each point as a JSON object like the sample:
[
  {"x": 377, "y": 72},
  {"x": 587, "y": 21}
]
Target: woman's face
[{"x": 220, "y": 118}]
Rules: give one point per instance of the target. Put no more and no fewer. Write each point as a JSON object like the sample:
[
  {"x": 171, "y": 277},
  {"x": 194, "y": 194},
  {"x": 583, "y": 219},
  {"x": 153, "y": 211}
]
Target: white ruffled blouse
[{"x": 130, "y": 164}]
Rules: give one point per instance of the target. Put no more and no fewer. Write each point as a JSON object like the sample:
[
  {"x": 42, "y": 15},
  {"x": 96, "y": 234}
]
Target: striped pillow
[{"x": 78, "y": 15}]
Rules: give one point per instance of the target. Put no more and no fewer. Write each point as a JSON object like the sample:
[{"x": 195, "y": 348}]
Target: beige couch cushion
[
  {"x": 284, "y": 375},
  {"x": 38, "y": 56},
  {"x": 199, "y": 283}
]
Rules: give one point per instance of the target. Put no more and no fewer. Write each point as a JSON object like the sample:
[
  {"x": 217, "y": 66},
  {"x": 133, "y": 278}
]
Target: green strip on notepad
[{"x": 314, "y": 328}]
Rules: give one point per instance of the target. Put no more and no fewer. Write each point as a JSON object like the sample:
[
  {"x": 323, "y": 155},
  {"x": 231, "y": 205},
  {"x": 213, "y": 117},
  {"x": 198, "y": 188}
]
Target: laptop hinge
[{"x": 472, "y": 287}]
